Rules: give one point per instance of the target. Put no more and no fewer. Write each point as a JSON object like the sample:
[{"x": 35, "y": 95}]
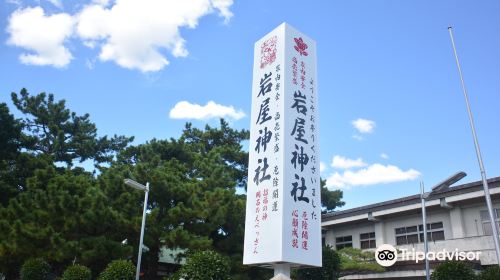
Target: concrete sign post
[{"x": 283, "y": 211}]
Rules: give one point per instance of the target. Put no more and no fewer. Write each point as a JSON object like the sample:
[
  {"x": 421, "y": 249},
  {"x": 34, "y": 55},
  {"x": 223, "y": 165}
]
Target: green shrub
[
  {"x": 77, "y": 272},
  {"x": 491, "y": 273},
  {"x": 118, "y": 270},
  {"x": 453, "y": 270},
  {"x": 204, "y": 265},
  {"x": 353, "y": 259},
  {"x": 35, "y": 269},
  {"x": 329, "y": 271}
]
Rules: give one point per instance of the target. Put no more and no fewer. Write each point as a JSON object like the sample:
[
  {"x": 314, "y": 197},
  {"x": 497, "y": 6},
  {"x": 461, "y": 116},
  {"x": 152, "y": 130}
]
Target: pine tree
[
  {"x": 330, "y": 199},
  {"x": 66, "y": 214},
  {"x": 193, "y": 182},
  {"x": 60, "y": 214},
  {"x": 61, "y": 218},
  {"x": 54, "y": 130}
]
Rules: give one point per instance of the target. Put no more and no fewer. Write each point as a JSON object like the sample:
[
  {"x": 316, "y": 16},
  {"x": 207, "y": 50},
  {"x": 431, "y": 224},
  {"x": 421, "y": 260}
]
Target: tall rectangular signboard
[{"x": 283, "y": 211}]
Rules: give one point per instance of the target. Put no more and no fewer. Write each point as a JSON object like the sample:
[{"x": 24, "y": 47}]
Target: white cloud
[
  {"x": 42, "y": 35},
  {"x": 223, "y": 7},
  {"x": 90, "y": 63},
  {"x": 322, "y": 167},
  {"x": 384, "y": 156},
  {"x": 103, "y": 3},
  {"x": 372, "y": 175},
  {"x": 135, "y": 34},
  {"x": 186, "y": 110},
  {"x": 363, "y": 125},
  {"x": 358, "y": 137},
  {"x": 346, "y": 163},
  {"x": 56, "y": 3},
  {"x": 14, "y": 2}
]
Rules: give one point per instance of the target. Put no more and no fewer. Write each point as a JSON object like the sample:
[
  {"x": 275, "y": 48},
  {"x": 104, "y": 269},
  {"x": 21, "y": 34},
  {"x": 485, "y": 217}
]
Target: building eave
[{"x": 442, "y": 198}]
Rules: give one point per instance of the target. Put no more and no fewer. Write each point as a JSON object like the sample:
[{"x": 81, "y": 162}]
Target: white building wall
[
  {"x": 472, "y": 219},
  {"x": 457, "y": 222},
  {"x": 380, "y": 233},
  {"x": 353, "y": 230},
  {"x": 416, "y": 219},
  {"x": 330, "y": 238},
  {"x": 462, "y": 229}
]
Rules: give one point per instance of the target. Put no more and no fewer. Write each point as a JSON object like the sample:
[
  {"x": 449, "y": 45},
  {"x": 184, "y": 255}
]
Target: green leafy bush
[
  {"x": 453, "y": 270},
  {"x": 35, "y": 269},
  {"x": 77, "y": 272},
  {"x": 204, "y": 265},
  {"x": 329, "y": 271},
  {"x": 118, "y": 270},
  {"x": 491, "y": 273},
  {"x": 352, "y": 259}
]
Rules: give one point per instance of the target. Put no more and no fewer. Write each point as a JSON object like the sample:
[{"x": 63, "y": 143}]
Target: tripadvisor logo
[{"x": 386, "y": 255}]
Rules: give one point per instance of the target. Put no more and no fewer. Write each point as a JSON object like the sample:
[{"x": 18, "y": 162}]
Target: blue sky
[{"x": 391, "y": 109}]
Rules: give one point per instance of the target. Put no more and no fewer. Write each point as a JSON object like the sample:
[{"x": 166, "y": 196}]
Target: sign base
[{"x": 281, "y": 277}]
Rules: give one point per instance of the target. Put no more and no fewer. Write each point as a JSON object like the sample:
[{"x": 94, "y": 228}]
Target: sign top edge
[{"x": 286, "y": 26}]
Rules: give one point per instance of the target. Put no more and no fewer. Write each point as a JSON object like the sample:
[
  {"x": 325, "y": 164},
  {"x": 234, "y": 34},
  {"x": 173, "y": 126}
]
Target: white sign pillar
[{"x": 283, "y": 211}]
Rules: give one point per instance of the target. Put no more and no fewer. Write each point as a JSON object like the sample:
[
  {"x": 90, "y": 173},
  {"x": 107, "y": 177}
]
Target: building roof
[{"x": 413, "y": 199}]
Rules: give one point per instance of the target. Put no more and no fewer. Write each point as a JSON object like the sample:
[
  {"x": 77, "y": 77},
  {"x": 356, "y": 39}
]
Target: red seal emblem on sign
[
  {"x": 300, "y": 46},
  {"x": 268, "y": 52}
]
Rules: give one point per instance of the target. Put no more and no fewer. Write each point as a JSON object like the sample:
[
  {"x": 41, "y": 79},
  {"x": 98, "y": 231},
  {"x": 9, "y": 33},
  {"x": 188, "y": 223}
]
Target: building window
[
  {"x": 485, "y": 220},
  {"x": 435, "y": 232},
  {"x": 406, "y": 235},
  {"x": 343, "y": 242},
  {"x": 367, "y": 240},
  {"x": 414, "y": 234}
]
